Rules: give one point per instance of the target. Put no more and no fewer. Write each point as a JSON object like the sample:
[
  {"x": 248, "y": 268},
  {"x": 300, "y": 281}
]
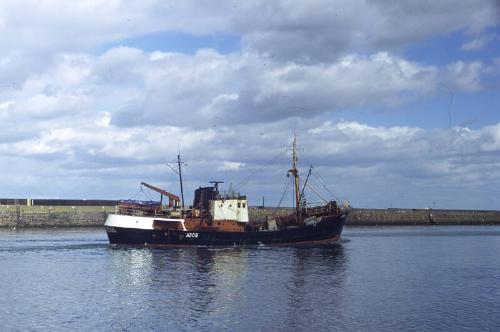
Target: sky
[{"x": 393, "y": 104}]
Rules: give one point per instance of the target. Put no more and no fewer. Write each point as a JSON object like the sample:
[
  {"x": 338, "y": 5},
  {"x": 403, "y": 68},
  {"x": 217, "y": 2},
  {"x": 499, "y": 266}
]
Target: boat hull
[{"x": 328, "y": 229}]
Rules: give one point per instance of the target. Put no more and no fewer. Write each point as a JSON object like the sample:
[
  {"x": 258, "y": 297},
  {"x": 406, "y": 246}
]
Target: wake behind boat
[{"x": 222, "y": 219}]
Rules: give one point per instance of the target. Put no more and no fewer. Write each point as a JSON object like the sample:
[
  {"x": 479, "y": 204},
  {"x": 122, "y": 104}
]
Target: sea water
[{"x": 384, "y": 278}]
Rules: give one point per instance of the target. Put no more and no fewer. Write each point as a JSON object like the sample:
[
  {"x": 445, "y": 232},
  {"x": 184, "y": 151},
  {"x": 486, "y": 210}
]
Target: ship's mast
[
  {"x": 179, "y": 162},
  {"x": 295, "y": 172}
]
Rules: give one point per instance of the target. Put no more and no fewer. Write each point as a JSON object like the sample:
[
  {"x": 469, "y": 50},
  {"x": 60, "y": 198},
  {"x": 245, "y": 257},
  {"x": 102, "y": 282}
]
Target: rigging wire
[
  {"x": 314, "y": 190},
  {"x": 172, "y": 168},
  {"x": 285, "y": 189},
  {"x": 137, "y": 193},
  {"x": 143, "y": 192},
  {"x": 249, "y": 177},
  {"x": 147, "y": 195},
  {"x": 305, "y": 183},
  {"x": 323, "y": 182},
  {"x": 176, "y": 171},
  {"x": 310, "y": 186}
]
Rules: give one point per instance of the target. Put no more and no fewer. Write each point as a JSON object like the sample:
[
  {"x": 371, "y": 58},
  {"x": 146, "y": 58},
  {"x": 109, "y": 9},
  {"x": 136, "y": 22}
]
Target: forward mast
[{"x": 295, "y": 173}]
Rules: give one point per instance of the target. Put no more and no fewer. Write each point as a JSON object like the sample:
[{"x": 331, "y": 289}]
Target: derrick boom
[{"x": 173, "y": 200}]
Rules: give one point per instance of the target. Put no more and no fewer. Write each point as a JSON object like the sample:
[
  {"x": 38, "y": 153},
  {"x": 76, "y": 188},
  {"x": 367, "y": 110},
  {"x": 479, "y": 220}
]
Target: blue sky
[
  {"x": 443, "y": 49},
  {"x": 395, "y": 104}
]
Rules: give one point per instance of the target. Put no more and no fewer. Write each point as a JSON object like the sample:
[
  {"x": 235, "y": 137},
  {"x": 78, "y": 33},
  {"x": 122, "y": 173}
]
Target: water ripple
[{"x": 411, "y": 279}]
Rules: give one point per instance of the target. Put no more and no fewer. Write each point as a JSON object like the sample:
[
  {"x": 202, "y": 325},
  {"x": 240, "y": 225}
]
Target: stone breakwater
[
  {"x": 22, "y": 216},
  {"x": 401, "y": 217},
  {"x": 367, "y": 217},
  {"x": 51, "y": 219}
]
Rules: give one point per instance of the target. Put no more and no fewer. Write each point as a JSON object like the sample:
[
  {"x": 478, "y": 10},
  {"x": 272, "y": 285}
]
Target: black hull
[{"x": 328, "y": 229}]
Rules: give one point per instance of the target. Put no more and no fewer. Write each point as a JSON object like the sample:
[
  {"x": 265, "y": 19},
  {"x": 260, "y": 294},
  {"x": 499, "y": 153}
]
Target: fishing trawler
[{"x": 222, "y": 219}]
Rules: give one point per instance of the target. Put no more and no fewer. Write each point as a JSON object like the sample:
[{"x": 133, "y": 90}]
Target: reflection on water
[
  {"x": 227, "y": 285},
  {"x": 314, "y": 274},
  {"x": 422, "y": 278}
]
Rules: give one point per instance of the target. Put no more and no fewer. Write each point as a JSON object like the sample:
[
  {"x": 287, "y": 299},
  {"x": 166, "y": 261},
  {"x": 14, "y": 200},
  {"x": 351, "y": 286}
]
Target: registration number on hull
[{"x": 192, "y": 235}]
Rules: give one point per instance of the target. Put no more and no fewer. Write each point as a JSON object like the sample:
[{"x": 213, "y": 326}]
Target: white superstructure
[
  {"x": 229, "y": 209},
  {"x": 137, "y": 222}
]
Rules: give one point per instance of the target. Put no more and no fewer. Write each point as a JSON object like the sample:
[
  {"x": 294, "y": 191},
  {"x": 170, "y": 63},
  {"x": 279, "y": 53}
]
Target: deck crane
[{"x": 173, "y": 200}]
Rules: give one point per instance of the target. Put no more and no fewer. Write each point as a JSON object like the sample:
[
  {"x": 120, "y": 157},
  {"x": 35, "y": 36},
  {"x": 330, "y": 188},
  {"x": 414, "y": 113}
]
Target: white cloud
[
  {"x": 491, "y": 142},
  {"x": 211, "y": 89},
  {"x": 292, "y": 30},
  {"x": 122, "y": 115},
  {"x": 479, "y": 43},
  {"x": 76, "y": 111},
  {"x": 230, "y": 166},
  {"x": 464, "y": 76},
  {"x": 323, "y": 30},
  {"x": 6, "y": 105},
  {"x": 351, "y": 157}
]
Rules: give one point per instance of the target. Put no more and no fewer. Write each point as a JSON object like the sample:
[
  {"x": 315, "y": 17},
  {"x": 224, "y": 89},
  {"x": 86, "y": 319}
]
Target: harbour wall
[
  {"x": 368, "y": 217},
  {"x": 401, "y": 217},
  {"x": 53, "y": 216},
  {"x": 19, "y": 216}
]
